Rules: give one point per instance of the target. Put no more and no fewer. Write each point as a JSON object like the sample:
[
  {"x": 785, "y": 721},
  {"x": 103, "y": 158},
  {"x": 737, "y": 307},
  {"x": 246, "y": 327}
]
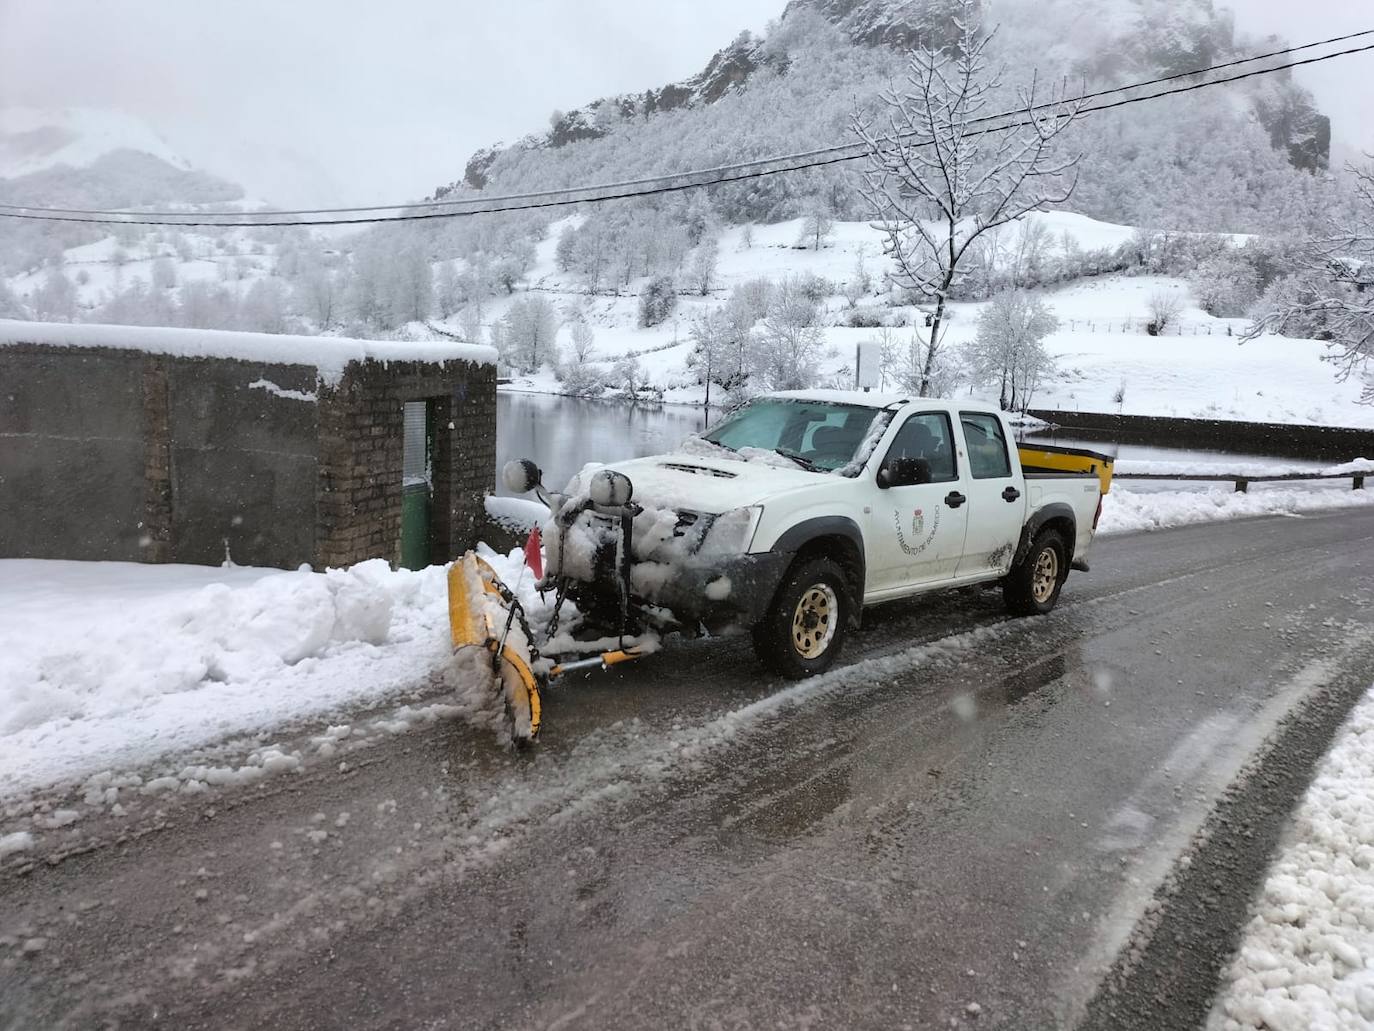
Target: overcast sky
[{"x": 355, "y": 101}]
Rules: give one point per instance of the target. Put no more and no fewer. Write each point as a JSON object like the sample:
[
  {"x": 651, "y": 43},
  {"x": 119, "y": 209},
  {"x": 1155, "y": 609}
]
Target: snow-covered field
[
  {"x": 106, "y": 668},
  {"x": 1101, "y": 348},
  {"x": 1304, "y": 958}
]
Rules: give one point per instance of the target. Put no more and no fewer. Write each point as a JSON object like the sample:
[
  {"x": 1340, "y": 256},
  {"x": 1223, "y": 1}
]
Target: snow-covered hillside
[{"x": 1106, "y": 361}]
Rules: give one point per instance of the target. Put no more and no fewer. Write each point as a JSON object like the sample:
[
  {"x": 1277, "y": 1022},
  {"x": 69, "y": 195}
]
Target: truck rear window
[{"x": 987, "y": 446}]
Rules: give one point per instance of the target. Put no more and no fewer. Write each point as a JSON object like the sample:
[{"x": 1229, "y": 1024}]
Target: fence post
[
  {"x": 1359, "y": 482},
  {"x": 1242, "y": 486}
]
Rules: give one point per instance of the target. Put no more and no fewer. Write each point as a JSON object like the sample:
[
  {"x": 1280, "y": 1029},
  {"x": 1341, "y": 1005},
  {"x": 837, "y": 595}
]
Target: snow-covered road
[
  {"x": 974, "y": 810},
  {"x": 124, "y": 678}
]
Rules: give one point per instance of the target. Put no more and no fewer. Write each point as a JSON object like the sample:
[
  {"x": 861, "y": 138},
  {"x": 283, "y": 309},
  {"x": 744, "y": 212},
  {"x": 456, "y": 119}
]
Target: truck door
[
  {"x": 996, "y": 507},
  {"x": 916, "y": 532}
]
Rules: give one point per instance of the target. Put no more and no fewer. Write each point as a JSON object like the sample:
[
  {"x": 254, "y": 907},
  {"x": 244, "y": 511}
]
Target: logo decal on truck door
[{"x": 918, "y": 523}]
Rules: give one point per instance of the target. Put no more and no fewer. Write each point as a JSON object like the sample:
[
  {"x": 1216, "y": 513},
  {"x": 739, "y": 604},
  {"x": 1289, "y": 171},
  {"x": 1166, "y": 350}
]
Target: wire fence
[{"x": 1122, "y": 324}]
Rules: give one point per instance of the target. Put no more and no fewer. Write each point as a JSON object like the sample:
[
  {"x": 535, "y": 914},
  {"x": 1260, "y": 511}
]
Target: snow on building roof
[{"x": 329, "y": 355}]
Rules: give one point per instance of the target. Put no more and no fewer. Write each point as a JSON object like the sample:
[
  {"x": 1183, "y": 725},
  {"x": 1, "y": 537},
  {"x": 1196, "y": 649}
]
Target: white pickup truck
[{"x": 798, "y": 509}]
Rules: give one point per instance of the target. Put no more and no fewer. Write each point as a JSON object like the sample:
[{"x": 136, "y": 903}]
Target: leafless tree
[
  {"x": 1334, "y": 290},
  {"x": 1164, "y": 306},
  {"x": 941, "y": 173}
]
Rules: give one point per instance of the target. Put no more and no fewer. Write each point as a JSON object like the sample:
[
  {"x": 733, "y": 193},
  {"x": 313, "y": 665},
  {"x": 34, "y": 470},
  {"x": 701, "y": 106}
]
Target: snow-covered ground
[
  {"x": 1101, "y": 347},
  {"x": 106, "y": 668},
  {"x": 1304, "y": 960}
]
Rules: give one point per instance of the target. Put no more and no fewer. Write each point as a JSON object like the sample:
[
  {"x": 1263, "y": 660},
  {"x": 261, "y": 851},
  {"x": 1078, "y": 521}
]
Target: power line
[
  {"x": 668, "y": 178},
  {"x": 661, "y": 185}
]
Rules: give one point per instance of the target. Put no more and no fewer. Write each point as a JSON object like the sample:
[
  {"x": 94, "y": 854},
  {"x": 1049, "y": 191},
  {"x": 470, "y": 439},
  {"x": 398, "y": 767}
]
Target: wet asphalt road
[{"x": 964, "y": 825}]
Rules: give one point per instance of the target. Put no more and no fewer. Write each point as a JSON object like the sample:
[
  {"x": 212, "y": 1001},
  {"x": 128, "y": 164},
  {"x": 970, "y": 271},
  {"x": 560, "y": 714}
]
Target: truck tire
[
  {"x": 804, "y": 628},
  {"x": 1033, "y": 585}
]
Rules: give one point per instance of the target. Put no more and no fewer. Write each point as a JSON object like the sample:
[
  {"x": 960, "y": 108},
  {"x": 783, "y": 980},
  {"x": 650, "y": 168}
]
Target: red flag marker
[{"x": 534, "y": 553}]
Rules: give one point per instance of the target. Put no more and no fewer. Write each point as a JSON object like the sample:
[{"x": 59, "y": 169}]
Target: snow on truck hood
[{"x": 712, "y": 485}]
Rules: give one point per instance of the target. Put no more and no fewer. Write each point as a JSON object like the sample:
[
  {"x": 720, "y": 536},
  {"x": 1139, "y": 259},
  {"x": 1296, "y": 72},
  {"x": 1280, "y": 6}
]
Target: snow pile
[
  {"x": 109, "y": 665},
  {"x": 519, "y": 515},
  {"x": 329, "y": 355},
  {"x": 1305, "y": 957},
  {"x": 1127, "y": 511}
]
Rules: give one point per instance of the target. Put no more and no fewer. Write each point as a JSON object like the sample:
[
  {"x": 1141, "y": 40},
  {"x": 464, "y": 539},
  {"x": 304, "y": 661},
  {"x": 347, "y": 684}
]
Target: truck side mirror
[{"x": 904, "y": 472}]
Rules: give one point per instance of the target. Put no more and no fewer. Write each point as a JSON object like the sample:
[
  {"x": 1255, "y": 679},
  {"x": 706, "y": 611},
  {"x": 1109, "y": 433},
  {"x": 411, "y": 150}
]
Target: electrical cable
[{"x": 735, "y": 173}]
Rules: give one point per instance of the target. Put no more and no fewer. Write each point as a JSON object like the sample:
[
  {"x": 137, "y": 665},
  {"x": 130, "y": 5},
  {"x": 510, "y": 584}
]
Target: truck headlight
[{"x": 732, "y": 532}]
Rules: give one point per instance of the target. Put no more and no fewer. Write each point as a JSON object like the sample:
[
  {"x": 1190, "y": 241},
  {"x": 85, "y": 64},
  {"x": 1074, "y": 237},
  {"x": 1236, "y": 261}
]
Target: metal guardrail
[{"x": 1243, "y": 482}]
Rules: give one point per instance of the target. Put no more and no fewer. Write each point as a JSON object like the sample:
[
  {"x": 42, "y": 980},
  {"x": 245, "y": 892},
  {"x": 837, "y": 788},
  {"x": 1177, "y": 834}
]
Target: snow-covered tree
[
  {"x": 907, "y": 364},
  {"x": 448, "y": 291},
  {"x": 582, "y": 339},
  {"x": 531, "y": 324},
  {"x": 1333, "y": 290},
  {"x": 817, "y": 224},
  {"x": 788, "y": 347},
  {"x": 1009, "y": 350},
  {"x": 164, "y": 274},
  {"x": 264, "y": 307},
  {"x": 411, "y": 286},
  {"x": 628, "y": 375},
  {"x": 55, "y": 298},
  {"x": 702, "y": 272},
  {"x": 657, "y": 300},
  {"x": 938, "y": 176}
]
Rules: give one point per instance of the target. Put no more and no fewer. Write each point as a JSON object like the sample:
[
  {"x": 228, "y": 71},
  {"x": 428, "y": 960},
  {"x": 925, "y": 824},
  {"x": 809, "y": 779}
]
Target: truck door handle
[
  {"x": 954, "y": 499},
  {"x": 1010, "y": 494}
]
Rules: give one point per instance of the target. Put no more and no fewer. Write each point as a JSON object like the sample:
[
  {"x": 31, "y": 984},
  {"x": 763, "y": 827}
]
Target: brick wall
[{"x": 361, "y": 443}]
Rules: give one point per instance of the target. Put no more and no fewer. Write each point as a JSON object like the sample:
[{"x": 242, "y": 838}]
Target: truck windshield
[{"x": 816, "y": 435}]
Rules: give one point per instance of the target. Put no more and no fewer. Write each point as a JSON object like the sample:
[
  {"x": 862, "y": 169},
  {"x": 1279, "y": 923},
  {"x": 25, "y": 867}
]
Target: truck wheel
[
  {"x": 1032, "y": 587},
  {"x": 804, "y": 628}
]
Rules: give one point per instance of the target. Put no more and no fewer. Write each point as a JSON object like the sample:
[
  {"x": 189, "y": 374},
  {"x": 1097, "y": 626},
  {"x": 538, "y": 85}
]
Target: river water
[{"x": 561, "y": 434}]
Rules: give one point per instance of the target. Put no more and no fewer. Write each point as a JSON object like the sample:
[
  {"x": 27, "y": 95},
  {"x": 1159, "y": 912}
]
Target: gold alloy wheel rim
[
  {"x": 1046, "y": 573},
  {"x": 813, "y": 623}
]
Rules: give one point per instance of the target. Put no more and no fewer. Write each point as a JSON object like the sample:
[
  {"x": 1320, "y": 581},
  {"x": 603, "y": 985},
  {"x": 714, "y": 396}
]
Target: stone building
[{"x": 173, "y": 445}]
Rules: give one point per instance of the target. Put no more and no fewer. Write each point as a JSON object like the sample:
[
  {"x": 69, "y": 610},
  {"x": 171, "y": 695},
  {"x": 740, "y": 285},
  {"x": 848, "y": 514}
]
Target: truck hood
[{"x": 710, "y": 485}]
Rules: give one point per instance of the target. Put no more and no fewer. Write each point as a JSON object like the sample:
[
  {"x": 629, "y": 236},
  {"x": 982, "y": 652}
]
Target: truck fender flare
[
  {"x": 794, "y": 538},
  {"x": 1054, "y": 511}
]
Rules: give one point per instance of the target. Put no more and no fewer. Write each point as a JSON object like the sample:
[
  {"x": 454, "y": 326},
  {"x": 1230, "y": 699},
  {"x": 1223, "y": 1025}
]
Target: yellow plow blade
[{"x": 480, "y": 616}]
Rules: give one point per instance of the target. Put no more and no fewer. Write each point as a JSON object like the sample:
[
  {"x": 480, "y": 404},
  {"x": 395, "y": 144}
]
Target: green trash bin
[{"x": 416, "y": 484}]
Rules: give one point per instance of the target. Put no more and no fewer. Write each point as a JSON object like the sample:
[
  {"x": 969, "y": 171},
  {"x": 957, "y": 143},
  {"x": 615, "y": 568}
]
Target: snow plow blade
[{"x": 483, "y": 614}]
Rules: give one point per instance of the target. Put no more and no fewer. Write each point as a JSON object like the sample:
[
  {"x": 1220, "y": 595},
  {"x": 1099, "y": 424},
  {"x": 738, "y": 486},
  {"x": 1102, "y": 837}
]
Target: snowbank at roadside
[
  {"x": 108, "y": 666},
  {"x": 1303, "y": 960},
  {"x": 1127, "y": 511}
]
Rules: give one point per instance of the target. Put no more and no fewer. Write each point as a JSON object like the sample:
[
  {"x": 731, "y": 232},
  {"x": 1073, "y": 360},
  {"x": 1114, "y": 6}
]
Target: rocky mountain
[{"x": 1105, "y": 42}]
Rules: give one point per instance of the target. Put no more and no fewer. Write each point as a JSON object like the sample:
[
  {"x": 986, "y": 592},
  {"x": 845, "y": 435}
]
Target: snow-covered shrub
[
  {"x": 1163, "y": 308},
  {"x": 1226, "y": 285},
  {"x": 581, "y": 378},
  {"x": 657, "y": 300},
  {"x": 865, "y": 317}
]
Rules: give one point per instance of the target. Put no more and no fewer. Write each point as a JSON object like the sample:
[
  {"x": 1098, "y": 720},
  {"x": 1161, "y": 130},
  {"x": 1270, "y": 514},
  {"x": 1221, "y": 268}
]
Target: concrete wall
[
  {"x": 1323, "y": 443},
  {"x": 124, "y": 455},
  {"x": 243, "y": 462},
  {"x": 121, "y": 455},
  {"x": 71, "y": 454}
]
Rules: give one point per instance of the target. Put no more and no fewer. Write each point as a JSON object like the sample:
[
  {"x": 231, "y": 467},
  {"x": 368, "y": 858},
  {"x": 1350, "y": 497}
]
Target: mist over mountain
[{"x": 1224, "y": 166}]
